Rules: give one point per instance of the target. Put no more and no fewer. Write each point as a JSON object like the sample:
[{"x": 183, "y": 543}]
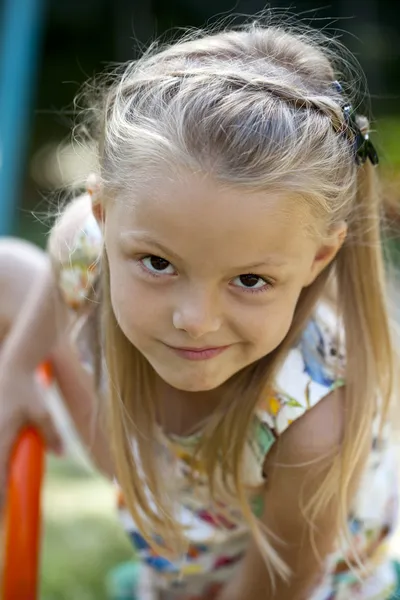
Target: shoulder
[
  {"x": 69, "y": 221},
  {"x": 318, "y": 432},
  {"x": 75, "y": 246},
  {"x": 307, "y": 450},
  {"x": 312, "y": 370}
]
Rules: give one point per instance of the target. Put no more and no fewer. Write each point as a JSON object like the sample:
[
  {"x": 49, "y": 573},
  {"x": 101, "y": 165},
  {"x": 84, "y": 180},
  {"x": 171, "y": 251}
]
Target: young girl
[{"x": 226, "y": 271}]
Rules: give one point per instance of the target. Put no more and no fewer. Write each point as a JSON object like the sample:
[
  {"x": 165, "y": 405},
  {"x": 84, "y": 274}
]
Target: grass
[{"x": 82, "y": 539}]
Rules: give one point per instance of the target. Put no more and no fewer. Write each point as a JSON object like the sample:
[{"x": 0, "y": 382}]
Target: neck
[{"x": 182, "y": 413}]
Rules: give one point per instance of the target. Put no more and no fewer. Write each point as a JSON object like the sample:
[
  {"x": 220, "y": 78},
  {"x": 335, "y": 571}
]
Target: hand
[{"x": 21, "y": 403}]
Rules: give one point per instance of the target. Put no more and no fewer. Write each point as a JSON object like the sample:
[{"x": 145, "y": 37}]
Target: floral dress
[{"x": 217, "y": 542}]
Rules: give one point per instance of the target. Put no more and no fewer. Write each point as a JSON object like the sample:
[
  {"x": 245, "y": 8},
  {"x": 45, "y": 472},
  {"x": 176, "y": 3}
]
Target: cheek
[
  {"x": 131, "y": 308},
  {"x": 267, "y": 328},
  {"x": 140, "y": 311}
]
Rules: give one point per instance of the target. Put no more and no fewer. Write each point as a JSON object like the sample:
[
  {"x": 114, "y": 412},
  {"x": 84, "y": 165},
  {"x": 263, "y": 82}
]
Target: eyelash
[
  {"x": 268, "y": 284},
  {"x": 147, "y": 271},
  {"x": 265, "y": 288}
]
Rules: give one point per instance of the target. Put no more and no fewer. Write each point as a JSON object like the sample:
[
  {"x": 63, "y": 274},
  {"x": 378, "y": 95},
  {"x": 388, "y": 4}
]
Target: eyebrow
[
  {"x": 272, "y": 260},
  {"x": 143, "y": 237}
]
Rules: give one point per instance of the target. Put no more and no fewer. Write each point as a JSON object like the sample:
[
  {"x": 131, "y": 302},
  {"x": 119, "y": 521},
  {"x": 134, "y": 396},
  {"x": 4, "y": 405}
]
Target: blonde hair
[{"x": 256, "y": 108}]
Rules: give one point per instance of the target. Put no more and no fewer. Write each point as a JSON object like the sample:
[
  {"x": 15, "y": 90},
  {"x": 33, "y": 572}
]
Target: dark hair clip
[
  {"x": 338, "y": 86},
  {"x": 363, "y": 147}
]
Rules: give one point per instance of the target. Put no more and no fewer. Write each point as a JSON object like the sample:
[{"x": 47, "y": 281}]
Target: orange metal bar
[
  {"x": 22, "y": 525},
  {"x": 23, "y": 514}
]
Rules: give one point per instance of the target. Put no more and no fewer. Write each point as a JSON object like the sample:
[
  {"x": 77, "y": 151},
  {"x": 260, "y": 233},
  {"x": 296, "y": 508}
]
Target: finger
[
  {"x": 49, "y": 432},
  {"x": 8, "y": 436}
]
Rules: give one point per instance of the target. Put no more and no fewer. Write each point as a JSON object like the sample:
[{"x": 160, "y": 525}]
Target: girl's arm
[
  {"x": 295, "y": 468},
  {"x": 40, "y": 324},
  {"x": 44, "y": 320},
  {"x": 39, "y": 333},
  {"x": 24, "y": 346},
  {"x": 77, "y": 386}
]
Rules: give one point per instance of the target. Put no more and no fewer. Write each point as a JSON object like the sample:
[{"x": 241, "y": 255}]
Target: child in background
[{"x": 225, "y": 280}]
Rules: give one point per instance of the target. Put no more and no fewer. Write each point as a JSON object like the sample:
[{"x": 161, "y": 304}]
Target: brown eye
[
  {"x": 156, "y": 264},
  {"x": 251, "y": 280}
]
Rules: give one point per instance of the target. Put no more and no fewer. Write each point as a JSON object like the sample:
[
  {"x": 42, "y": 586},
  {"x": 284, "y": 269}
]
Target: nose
[{"x": 197, "y": 314}]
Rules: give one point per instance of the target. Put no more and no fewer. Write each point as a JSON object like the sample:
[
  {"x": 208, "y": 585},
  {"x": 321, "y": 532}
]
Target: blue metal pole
[{"x": 20, "y": 36}]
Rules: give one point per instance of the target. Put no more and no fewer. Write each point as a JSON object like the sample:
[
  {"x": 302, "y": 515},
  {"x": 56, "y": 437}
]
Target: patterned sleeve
[
  {"x": 80, "y": 270},
  {"x": 311, "y": 370}
]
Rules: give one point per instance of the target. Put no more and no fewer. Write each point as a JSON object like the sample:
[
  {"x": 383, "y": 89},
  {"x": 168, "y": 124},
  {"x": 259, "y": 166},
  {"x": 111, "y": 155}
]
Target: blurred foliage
[
  {"x": 389, "y": 140},
  {"x": 82, "y": 539},
  {"x": 77, "y": 555},
  {"x": 389, "y": 145}
]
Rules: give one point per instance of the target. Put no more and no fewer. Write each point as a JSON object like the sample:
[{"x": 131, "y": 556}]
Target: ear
[
  {"x": 98, "y": 212},
  {"x": 93, "y": 188},
  {"x": 327, "y": 251}
]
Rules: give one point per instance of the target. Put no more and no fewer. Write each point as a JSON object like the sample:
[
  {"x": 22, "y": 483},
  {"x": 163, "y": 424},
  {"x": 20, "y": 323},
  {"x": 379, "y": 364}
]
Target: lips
[
  {"x": 199, "y": 353},
  {"x": 190, "y": 349}
]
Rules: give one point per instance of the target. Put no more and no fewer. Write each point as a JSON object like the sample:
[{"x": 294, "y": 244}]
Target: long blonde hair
[{"x": 256, "y": 108}]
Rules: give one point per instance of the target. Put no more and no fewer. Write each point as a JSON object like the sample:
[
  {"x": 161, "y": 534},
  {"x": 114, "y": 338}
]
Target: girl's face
[{"x": 205, "y": 279}]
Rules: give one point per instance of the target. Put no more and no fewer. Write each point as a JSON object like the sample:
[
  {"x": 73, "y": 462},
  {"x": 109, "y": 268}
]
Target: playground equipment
[
  {"x": 21, "y": 25},
  {"x": 23, "y": 514}
]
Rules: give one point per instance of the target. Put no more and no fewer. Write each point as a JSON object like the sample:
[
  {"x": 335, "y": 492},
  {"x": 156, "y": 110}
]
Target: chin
[{"x": 191, "y": 383}]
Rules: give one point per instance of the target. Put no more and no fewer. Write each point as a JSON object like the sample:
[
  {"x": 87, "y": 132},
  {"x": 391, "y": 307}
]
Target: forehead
[{"x": 192, "y": 213}]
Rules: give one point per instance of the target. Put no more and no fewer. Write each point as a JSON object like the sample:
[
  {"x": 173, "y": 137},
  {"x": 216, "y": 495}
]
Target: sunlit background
[{"x": 47, "y": 50}]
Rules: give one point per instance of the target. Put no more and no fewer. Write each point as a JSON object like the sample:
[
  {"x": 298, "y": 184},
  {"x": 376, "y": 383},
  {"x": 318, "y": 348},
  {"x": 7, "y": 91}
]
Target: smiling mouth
[{"x": 198, "y": 353}]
